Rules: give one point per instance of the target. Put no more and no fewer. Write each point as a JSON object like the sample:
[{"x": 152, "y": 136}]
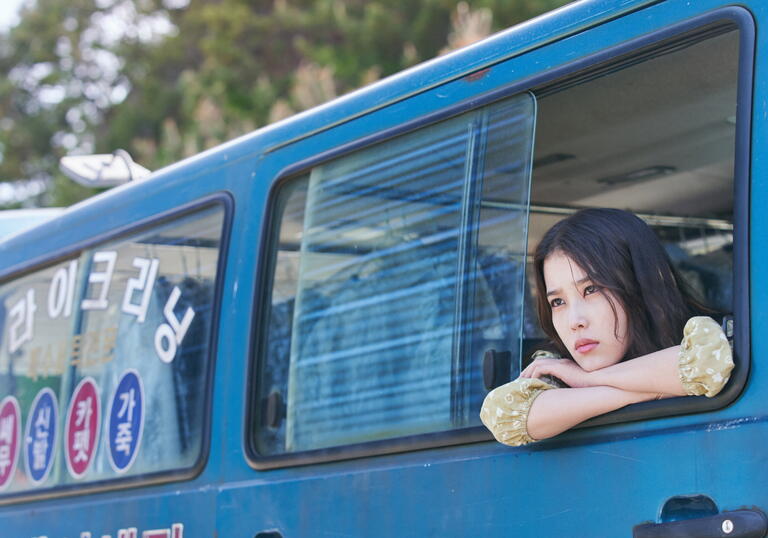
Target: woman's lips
[{"x": 585, "y": 345}]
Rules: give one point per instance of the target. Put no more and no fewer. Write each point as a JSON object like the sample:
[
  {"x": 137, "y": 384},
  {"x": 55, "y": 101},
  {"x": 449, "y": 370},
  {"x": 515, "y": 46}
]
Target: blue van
[{"x": 290, "y": 335}]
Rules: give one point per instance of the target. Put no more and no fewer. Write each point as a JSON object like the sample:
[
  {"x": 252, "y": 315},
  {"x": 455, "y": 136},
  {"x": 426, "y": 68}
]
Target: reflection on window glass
[
  {"x": 107, "y": 354},
  {"x": 394, "y": 269}
]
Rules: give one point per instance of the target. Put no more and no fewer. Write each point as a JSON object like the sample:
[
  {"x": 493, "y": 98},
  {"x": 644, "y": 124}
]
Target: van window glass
[
  {"x": 393, "y": 269},
  {"x": 652, "y": 132},
  {"x": 106, "y": 357}
]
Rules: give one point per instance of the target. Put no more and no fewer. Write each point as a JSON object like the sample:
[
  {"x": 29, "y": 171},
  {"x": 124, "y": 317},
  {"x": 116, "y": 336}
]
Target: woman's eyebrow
[{"x": 578, "y": 282}]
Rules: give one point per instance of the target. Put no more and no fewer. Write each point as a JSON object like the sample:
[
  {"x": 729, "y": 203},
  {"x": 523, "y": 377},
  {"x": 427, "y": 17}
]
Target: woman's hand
[{"x": 564, "y": 369}]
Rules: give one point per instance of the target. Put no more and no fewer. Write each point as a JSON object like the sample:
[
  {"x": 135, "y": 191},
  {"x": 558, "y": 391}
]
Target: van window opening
[
  {"x": 652, "y": 132},
  {"x": 656, "y": 138}
]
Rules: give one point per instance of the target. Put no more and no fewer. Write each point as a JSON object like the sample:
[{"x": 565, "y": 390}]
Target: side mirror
[{"x": 103, "y": 170}]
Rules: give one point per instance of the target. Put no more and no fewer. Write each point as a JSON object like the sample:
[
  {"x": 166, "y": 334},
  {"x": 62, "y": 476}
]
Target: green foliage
[{"x": 165, "y": 83}]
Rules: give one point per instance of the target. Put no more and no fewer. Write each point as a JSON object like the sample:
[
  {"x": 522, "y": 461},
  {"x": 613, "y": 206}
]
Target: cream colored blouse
[{"x": 705, "y": 363}]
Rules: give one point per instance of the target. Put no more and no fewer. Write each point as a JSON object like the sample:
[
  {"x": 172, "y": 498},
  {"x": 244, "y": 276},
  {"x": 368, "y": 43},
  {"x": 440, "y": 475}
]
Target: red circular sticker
[
  {"x": 10, "y": 435},
  {"x": 82, "y": 427}
]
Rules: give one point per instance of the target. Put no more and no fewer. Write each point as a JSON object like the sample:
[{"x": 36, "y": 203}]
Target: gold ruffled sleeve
[
  {"x": 505, "y": 410},
  {"x": 705, "y": 361}
]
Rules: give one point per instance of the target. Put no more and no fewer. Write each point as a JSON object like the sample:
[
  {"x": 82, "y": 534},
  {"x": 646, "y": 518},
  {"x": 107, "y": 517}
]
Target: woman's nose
[{"x": 578, "y": 319}]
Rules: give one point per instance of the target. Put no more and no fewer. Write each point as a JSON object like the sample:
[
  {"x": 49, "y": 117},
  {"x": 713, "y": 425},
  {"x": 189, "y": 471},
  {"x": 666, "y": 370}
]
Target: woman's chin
[{"x": 596, "y": 362}]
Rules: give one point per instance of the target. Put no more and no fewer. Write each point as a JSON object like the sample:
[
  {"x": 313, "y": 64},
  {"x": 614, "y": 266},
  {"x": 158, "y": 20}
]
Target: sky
[{"x": 8, "y": 12}]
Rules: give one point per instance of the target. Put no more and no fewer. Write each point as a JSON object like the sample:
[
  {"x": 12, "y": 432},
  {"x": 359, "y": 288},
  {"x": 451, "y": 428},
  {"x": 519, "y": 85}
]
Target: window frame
[
  {"x": 223, "y": 200},
  {"x": 745, "y": 25}
]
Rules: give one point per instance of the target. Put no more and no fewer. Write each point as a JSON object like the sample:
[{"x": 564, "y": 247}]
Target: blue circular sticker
[
  {"x": 40, "y": 438},
  {"x": 126, "y": 421}
]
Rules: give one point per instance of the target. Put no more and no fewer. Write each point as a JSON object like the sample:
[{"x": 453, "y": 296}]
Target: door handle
[{"x": 735, "y": 524}]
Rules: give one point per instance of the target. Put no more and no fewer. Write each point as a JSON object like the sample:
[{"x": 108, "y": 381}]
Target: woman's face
[{"x": 582, "y": 315}]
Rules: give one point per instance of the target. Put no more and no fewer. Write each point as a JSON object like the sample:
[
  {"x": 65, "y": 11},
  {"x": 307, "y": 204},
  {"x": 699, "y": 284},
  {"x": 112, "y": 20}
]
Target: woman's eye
[
  {"x": 557, "y": 301},
  {"x": 589, "y": 290}
]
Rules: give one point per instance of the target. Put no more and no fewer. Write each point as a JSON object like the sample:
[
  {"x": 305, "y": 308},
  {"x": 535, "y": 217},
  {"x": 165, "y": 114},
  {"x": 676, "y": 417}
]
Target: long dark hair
[{"x": 622, "y": 256}]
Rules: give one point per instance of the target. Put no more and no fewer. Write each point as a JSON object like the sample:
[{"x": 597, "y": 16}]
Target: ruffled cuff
[
  {"x": 705, "y": 360},
  {"x": 505, "y": 410}
]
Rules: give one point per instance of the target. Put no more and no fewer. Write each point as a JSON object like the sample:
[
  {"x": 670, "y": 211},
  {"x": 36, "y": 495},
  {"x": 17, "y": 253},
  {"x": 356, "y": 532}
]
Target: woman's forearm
[
  {"x": 557, "y": 410},
  {"x": 656, "y": 372}
]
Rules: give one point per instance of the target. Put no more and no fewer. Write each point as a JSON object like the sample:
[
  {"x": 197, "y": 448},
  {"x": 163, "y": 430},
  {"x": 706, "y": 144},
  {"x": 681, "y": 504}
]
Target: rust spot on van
[{"x": 477, "y": 75}]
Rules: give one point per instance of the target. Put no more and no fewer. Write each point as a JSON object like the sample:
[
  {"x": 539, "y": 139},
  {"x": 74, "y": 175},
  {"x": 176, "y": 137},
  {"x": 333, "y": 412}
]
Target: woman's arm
[
  {"x": 700, "y": 365},
  {"x": 557, "y": 410},
  {"x": 656, "y": 372},
  {"x": 529, "y": 408}
]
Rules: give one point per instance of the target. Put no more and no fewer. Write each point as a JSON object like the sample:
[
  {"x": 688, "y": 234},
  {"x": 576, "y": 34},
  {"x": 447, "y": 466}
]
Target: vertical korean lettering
[
  {"x": 126, "y": 421},
  {"x": 82, "y": 427},
  {"x": 61, "y": 292},
  {"x": 40, "y": 438},
  {"x": 169, "y": 336},
  {"x": 7, "y": 426},
  {"x": 143, "y": 284},
  {"x": 22, "y": 318},
  {"x": 123, "y": 438},
  {"x": 81, "y": 444},
  {"x": 10, "y": 432},
  {"x": 100, "y": 278},
  {"x": 40, "y": 443}
]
